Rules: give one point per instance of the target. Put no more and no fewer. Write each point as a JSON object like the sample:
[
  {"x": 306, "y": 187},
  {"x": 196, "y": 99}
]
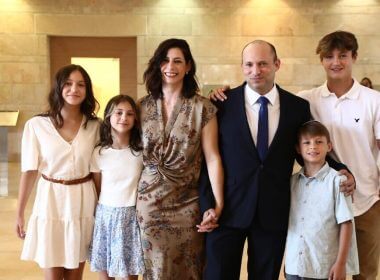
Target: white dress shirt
[{"x": 252, "y": 107}]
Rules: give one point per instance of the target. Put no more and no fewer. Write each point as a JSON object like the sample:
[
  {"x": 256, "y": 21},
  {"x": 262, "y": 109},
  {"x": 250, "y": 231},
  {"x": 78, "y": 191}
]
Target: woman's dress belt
[{"x": 69, "y": 182}]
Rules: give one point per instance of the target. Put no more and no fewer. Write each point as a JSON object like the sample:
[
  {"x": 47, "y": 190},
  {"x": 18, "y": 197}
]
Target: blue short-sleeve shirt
[{"x": 317, "y": 209}]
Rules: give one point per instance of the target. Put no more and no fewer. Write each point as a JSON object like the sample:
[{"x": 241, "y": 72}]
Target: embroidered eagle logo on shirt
[{"x": 356, "y": 119}]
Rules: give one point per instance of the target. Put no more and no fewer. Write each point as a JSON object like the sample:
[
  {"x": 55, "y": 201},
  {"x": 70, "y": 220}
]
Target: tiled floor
[{"x": 11, "y": 268}]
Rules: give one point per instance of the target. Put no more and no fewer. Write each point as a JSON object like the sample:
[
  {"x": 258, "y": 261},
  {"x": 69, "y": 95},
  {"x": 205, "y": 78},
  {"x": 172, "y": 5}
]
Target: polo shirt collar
[
  {"x": 253, "y": 96},
  {"x": 321, "y": 174},
  {"x": 353, "y": 93}
]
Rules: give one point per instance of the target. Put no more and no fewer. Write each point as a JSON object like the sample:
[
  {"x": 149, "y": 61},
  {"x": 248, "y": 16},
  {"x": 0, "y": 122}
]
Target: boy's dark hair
[
  {"x": 89, "y": 105},
  {"x": 153, "y": 77},
  {"x": 313, "y": 128},
  {"x": 105, "y": 127},
  {"x": 341, "y": 40}
]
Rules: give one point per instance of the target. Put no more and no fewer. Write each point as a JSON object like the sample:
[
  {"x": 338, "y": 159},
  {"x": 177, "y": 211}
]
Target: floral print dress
[{"x": 167, "y": 203}]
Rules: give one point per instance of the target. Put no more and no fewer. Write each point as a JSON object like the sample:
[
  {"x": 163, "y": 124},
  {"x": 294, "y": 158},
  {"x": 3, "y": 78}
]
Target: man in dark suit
[{"x": 257, "y": 191}]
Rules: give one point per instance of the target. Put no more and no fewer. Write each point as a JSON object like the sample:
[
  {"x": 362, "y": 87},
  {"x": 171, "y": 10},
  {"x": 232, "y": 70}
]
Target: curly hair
[
  {"x": 106, "y": 140},
  {"x": 153, "y": 77},
  {"x": 89, "y": 105}
]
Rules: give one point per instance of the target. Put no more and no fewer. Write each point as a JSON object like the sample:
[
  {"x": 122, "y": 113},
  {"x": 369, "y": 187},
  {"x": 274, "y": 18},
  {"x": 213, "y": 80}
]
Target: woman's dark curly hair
[
  {"x": 153, "y": 77},
  {"x": 106, "y": 128},
  {"x": 89, "y": 105}
]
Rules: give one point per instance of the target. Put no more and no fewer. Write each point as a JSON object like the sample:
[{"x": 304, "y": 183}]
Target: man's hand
[
  {"x": 219, "y": 93},
  {"x": 347, "y": 186}
]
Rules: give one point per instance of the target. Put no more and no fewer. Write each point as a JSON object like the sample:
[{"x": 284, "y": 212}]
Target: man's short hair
[
  {"x": 313, "y": 128},
  {"x": 341, "y": 40}
]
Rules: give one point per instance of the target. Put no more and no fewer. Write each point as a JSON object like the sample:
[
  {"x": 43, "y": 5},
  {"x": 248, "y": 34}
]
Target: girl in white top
[
  {"x": 116, "y": 165},
  {"x": 58, "y": 144}
]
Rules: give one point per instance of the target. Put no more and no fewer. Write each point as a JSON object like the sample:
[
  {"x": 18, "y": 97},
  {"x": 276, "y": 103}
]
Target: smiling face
[
  {"x": 338, "y": 65},
  {"x": 174, "y": 67},
  {"x": 313, "y": 149},
  {"x": 259, "y": 67},
  {"x": 74, "y": 89},
  {"x": 123, "y": 118}
]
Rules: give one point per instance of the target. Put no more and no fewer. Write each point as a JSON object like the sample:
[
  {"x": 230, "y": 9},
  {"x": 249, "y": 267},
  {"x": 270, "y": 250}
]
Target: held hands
[
  {"x": 20, "y": 227},
  {"x": 210, "y": 219},
  {"x": 219, "y": 93},
  {"x": 338, "y": 272},
  {"x": 347, "y": 186}
]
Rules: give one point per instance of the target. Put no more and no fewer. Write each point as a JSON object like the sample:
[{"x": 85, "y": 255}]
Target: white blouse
[
  {"x": 44, "y": 149},
  {"x": 121, "y": 170}
]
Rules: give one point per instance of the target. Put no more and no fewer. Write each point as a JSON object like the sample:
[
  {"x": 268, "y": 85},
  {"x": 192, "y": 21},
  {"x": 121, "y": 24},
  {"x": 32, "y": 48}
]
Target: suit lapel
[{"x": 282, "y": 120}]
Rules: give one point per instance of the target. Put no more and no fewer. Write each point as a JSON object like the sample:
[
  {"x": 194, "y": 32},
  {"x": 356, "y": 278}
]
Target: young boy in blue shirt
[{"x": 321, "y": 242}]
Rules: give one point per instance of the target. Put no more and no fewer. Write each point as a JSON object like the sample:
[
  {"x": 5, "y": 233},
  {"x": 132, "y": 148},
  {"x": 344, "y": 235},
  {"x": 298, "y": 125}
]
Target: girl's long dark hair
[
  {"x": 106, "y": 128},
  {"x": 89, "y": 105},
  {"x": 153, "y": 77}
]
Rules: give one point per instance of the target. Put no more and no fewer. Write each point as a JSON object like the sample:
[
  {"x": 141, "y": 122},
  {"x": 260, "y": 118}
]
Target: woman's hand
[
  {"x": 210, "y": 220},
  {"x": 26, "y": 185},
  {"x": 20, "y": 223}
]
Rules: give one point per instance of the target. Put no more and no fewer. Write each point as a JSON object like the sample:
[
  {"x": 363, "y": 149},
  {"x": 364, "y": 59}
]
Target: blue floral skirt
[{"x": 116, "y": 244}]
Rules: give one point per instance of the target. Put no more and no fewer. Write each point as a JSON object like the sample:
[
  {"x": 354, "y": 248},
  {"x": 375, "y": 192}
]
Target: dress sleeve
[
  {"x": 343, "y": 204},
  {"x": 30, "y": 148},
  {"x": 208, "y": 111},
  {"x": 94, "y": 166}
]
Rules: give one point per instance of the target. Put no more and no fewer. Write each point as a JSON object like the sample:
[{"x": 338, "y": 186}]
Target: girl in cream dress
[{"x": 58, "y": 145}]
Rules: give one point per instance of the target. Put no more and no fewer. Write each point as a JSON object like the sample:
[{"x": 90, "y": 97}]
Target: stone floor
[{"x": 11, "y": 268}]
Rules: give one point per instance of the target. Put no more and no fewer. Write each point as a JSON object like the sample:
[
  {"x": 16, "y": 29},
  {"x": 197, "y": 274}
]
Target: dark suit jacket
[{"x": 253, "y": 188}]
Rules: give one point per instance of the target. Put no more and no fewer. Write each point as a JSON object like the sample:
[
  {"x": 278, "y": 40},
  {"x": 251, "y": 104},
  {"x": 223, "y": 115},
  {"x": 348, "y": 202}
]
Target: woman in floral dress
[{"x": 177, "y": 126}]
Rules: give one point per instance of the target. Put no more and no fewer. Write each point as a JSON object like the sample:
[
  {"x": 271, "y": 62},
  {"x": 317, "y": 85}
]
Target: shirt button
[{"x": 300, "y": 253}]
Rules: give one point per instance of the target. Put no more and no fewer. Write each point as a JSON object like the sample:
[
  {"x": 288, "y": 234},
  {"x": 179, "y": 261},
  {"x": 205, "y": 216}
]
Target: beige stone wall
[{"x": 215, "y": 29}]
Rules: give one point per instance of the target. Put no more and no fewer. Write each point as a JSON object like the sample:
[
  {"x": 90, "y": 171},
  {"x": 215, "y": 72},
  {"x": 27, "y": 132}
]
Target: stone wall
[{"x": 216, "y": 30}]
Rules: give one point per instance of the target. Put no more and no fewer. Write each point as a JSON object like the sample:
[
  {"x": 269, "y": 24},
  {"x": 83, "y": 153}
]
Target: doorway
[{"x": 110, "y": 61}]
